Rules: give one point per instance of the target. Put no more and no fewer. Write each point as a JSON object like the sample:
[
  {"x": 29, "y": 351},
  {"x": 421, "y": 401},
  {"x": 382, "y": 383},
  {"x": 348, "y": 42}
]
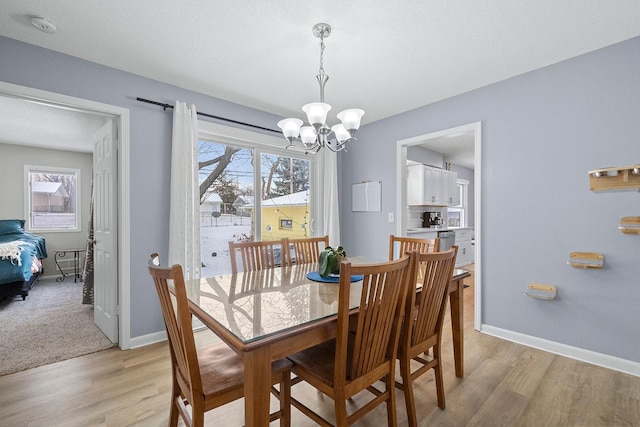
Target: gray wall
[
  {"x": 150, "y": 151},
  {"x": 12, "y": 161},
  {"x": 541, "y": 133}
]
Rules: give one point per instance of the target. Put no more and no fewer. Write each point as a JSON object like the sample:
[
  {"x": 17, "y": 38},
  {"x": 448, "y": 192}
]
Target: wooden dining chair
[
  {"x": 398, "y": 245},
  {"x": 257, "y": 255},
  {"x": 407, "y": 244},
  {"x": 204, "y": 378},
  {"x": 422, "y": 326},
  {"x": 308, "y": 250},
  {"x": 362, "y": 355}
]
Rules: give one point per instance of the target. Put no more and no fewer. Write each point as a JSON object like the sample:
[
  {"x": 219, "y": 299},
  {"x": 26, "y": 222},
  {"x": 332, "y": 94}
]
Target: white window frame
[
  {"x": 29, "y": 169},
  {"x": 262, "y": 143},
  {"x": 462, "y": 186}
]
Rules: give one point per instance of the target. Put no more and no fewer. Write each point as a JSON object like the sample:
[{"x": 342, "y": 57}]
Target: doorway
[
  {"x": 121, "y": 284},
  {"x": 475, "y": 130}
]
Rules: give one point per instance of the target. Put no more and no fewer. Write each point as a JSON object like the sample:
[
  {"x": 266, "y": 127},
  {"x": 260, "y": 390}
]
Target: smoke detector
[{"x": 43, "y": 25}]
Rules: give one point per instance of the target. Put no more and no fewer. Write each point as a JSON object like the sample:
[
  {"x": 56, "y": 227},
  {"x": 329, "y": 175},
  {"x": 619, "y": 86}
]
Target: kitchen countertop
[{"x": 415, "y": 230}]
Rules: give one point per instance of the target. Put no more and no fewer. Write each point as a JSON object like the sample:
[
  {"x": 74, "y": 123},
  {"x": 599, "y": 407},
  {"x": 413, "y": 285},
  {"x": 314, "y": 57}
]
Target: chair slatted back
[
  {"x": 308, "y": 250},
  {"x": 430, "y": 301},
  {"x": 178, "y": 324},
  {"x": 255, "y": 255},
  {"x": 376, "y": 335},
  {"x": 408, "y": 244}
]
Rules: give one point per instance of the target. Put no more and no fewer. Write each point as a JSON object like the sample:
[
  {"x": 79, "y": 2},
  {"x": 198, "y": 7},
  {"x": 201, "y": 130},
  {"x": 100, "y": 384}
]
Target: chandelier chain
[{"x": 321, "y": 70}]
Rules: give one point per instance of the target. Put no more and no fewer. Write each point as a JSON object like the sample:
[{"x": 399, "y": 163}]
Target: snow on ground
[{"x": 215, "y": 235}]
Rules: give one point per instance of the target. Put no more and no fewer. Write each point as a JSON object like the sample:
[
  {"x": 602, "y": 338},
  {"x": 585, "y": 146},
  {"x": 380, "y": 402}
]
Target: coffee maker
[{"x": 432, "y": 219}]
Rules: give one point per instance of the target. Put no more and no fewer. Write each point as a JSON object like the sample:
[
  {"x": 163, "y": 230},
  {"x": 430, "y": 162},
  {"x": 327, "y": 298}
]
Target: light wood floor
[{"x": 505, "y": 384}]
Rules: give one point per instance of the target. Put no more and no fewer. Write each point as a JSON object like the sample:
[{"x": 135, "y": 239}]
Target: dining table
[{"x": 269, "y": 314}]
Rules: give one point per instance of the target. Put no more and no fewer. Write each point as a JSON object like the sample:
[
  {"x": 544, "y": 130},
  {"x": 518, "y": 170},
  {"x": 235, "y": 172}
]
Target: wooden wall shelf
[
  {"x": 630, "y": 225},
  {"x": 615, "y": 178},
  {"x": 586, "y": 260},
  {"x": 541, "y": 291}
]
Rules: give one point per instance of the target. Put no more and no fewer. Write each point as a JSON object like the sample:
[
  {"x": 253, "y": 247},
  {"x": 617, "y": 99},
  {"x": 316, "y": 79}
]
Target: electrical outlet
[{"x": 391, "y": 219}]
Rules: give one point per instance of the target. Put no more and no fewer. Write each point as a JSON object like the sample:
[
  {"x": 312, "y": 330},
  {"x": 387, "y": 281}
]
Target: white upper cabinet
[
  {"x": 450, "y": 193},
  {"x": 427, "y": 185},
  {"x": 424, "y": 185},
  {"x": 415, "y": 185}
]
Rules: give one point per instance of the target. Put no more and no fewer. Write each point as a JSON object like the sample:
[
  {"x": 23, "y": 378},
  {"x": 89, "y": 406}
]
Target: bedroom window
[{"x": 52, "y": 202}]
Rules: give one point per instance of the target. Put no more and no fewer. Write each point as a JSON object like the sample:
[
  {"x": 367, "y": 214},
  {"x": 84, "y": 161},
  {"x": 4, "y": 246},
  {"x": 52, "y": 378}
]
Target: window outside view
[
  {"x": 228, "y": 200},
  {"x": 52, "y": 199},
  {"x": 457, "y": 215}
]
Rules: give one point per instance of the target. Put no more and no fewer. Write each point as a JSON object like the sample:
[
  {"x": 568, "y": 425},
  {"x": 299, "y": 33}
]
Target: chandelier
[{"x": 318, "y": 134}]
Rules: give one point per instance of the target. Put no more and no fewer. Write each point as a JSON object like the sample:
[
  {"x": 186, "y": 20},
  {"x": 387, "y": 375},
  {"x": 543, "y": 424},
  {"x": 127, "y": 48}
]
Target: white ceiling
[
  {"x": 34, "y": 124},
  {"x": 384, "y": 56}
]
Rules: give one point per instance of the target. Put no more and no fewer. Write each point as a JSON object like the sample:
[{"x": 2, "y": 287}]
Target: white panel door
[{"x": 105, "y": 163}]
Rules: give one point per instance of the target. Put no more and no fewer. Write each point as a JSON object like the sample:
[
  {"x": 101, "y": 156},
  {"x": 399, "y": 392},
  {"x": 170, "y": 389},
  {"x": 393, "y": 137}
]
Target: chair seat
[
  {"x": 318, "y": 361},
  {"x": 222, "y": 370}
]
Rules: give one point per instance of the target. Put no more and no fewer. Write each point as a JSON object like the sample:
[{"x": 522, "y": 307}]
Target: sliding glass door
[{"x": 232, "y": 210}]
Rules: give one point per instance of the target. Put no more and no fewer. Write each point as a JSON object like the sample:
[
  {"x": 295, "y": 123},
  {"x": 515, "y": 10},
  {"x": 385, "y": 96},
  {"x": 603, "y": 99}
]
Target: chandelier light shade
[{"x": 318, "y": 134}]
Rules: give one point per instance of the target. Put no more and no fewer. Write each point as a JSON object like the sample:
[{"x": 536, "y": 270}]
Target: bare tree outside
[{"x": 227, "y": 197}]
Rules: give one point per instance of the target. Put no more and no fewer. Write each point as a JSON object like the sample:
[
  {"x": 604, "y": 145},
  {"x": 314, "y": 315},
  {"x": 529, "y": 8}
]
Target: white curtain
[
  {"x": 331, "y": 212},
  {"x": 184, "y": 214}
]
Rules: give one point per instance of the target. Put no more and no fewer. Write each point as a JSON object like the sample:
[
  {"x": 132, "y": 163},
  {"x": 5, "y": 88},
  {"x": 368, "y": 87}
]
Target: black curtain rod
[{"x": 165, "y": 106}]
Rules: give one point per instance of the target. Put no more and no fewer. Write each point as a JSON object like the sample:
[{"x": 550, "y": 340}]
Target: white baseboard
[
  {"x": 599, "y": 359},
  {"x": 159, "y": 336},
  {"x": 148, "y": 339}
]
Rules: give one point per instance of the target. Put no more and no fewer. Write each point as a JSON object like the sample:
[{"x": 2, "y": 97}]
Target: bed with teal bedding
[{"x": 21, "y": 253}]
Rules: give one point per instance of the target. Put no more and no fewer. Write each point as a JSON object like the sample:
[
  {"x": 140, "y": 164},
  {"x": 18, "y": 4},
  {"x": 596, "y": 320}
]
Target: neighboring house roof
[
  {"x": 242, "y": 200},
  {"x": 295, "y": 199},
  {"x": 213, "y": 197},
  {"x": 212, "y": 204},
  {"x": 49, "y": 188}
]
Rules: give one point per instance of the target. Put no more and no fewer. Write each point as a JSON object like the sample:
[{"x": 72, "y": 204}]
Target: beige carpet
[{"x": 51, "y": 325}]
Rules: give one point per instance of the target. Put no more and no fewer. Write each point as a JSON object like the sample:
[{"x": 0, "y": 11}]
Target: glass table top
[{"x": 257, "y": 304}]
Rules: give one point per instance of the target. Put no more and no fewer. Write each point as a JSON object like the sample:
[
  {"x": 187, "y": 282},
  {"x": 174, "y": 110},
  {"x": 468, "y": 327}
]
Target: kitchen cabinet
[
  {"x": 424, "y": 185},
  {"x": 466, "y": 254},
  {"x": 450, "y": 193},
  {"x": 431, "y": 186}
]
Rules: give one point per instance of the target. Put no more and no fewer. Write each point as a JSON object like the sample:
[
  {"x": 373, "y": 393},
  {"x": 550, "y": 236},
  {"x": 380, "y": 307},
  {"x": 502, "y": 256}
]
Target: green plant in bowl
[{"x": 330, "y": 259}]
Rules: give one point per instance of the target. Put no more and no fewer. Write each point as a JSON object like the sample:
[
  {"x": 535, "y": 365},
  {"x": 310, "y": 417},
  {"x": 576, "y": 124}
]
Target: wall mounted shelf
[
  {"x": 541, "y": 291},
  {"x": 586, "y": 260},
  {"x": 630, "y": 225},
  {"x": 615, "y": 178}
]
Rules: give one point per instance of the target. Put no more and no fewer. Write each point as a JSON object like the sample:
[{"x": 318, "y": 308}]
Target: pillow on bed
[{"x": 11, "y": 226}]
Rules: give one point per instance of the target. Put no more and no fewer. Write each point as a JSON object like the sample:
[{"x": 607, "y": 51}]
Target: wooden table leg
[
  {"x": 257, "y": 386},
  {"x": 457, "y": 325}
]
